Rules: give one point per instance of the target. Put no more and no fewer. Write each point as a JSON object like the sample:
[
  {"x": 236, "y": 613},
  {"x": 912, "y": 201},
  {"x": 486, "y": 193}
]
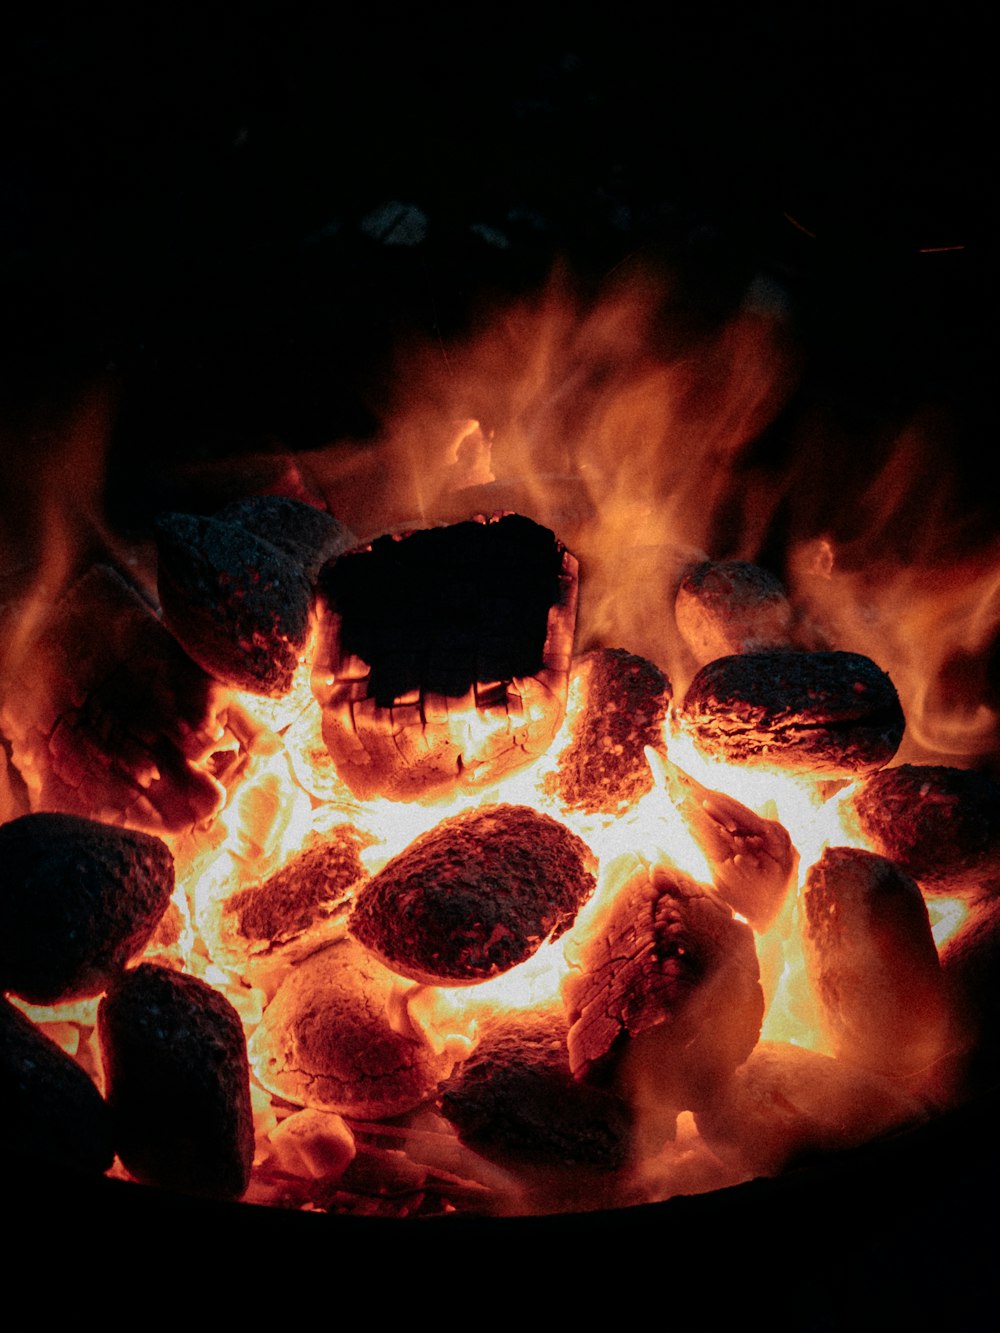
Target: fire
[{"x": 591, "y": 419}]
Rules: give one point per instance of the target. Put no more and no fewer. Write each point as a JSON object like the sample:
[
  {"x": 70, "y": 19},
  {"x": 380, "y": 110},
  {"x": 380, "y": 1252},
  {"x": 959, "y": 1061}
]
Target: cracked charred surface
[
  {"x": 941, "y": 825},
  {"x": 474, "y": 896},
  {"x": 666, "y": 1000},
  {"x": 603, "y": 768},
  {"x": 112, "y": 725},
  {"x": 239, "y": 606},
  {"x": 178, "y": 1082},
  {"x": 874, "y": 964},
  {"x": 826, "y": 714},
  {"x": 443, "y": 655},
  {"x": 78, "y": 900},
  {"x": 326, "y": 1040}
]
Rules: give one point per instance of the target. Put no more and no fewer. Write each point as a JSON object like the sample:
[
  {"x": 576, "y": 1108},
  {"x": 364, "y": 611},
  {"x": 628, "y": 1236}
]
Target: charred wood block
[
  {"x": 667, "y": 999},
  {"x": 78, "y": 900},
  {"x": 443, "y": 655},
  {"x": 623, "y": 708},
  {"x": 728, "y": 607},
  {"x": 326, "y": 1040},
  {"x": 49, "y": 1109},
  {"x": 515, "y": 1100},
  {"x": 108, "y": 716},
  {"x": 822, "y": 714},
  {"x": 872, "y": 960},
  {"x": 474, "y": 896},
  {"x": 752, "y": 859},
  {"x": 302, "y": 905},
  {"x": 178, "y": 1082},
  {"x": 307, "y": 535},
  {"x": 239, "y": 607},
  {"x": 942, "y": 825},
  {"x": 787, "y": 1105}
]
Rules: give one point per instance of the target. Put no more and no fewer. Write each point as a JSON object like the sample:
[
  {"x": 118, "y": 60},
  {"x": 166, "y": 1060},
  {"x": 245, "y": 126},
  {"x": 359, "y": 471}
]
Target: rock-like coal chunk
[
  {"x": 515, "y": 1100},
  {"x": 726, "y": 607},
  {"x": 78, "y": 899},
  {"x": 624, "y": 702},
  {"x": 326, "y": 1040},
  {"x": 829, "y": 715},
  {"x": 474, "y": 896},
  {"x": 307, "y": 535},
  {"x": 107, "y": 715},
  {"x": 665, "y": 998},
  {"x": 872, "y": 960},
  {"x": 443, "y": 655},
  {"x": 178, "y": 1082},
  {"x": 238, "y": 606},
  {"x": 49, "y": 1109},
  {"x": 942, "y": 825}
]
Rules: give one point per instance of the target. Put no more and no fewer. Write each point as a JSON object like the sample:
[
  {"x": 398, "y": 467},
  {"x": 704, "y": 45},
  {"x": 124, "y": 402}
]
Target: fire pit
[{"x": 518, "y": 917}]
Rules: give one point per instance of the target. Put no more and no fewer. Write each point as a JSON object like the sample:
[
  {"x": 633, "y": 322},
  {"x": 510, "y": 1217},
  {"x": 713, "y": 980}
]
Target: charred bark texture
[
  {"x": 78, "y": 900},
  {"x": 821, "y": 714},
  {"x": 941, "y": 825},
  {"x": 178, "y": 1082},
  {"x": 444, "y": 655},
  {"x": 603, "y": 769},
  {"x": 667, "y": 999},
  {"x": 474, "y": 896},
  {"x": 108, "y": 717}
]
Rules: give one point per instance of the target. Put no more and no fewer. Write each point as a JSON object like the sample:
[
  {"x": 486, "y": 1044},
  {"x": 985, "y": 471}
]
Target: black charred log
[
  {"x": 474, "y": 896},
  {"x": 78, "y": 900},
  {"x": 178, "y": 1082},
  {"x": 828, "y": 715}
]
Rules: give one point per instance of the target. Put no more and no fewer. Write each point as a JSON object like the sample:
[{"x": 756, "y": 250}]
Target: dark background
[{"x": 183, "y": 192}]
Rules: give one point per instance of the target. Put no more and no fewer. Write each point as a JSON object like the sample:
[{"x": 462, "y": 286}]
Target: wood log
[
  {"x": 515, "y": 1099},
  {"x": 941, "y": 825},
  {"x": 326, "y": 1040},
  {"x": 624, "y": 701},
  {"x": 474, "y": 896},
  {"x": 729, "y": 607},
  {"x": 50, "y": 1111},
  {"x": 872, "y": 960},
  {"x": 825, "y": 715},
  {"x": 79, "y": 899},
  {"x": 443, "y": 655},
  {"x": 178, "y": 1082},
  {"x": 108, "y": 717},
  {"x": 239, "y": 607},
  {"x": 666, "y": 1000},
  {"x": 753, "y": 860}
]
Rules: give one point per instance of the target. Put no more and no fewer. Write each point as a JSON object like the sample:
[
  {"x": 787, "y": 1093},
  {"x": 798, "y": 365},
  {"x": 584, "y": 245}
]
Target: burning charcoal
[
  {"x": 443, "y": 656},
  {"x": 49, "y": 1109},
  {"x": 729, "y": 607},
  {"x": 873, "y": 962},
  {"x": 301, "y": 906},
  {"x": 787, "y": 1104},
  {"x": 515, "y": 1099},
  {"x": 78, "y": 900},
  {"x": 178, "y": 1082},
  {"x": 942, "y": 825},
  {"x": 752, "y": 859},
  {"x": 239, "y": 606},
  {"x": 666, "y": 999},
  {"x": 326, "y": 1040},
  {"x": 624, "y": 705},
  {"x": 474, "y": 896},
  {"x": 107, "y": 716},
  {"x": 825, "y": 714},
  {"x": 307, "y": 535},
  {"x": 970, "y": 964}
]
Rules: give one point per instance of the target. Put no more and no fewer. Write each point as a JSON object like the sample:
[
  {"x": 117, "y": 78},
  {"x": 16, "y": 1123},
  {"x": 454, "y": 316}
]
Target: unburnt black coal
[{"x": 443, "y": 656}]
